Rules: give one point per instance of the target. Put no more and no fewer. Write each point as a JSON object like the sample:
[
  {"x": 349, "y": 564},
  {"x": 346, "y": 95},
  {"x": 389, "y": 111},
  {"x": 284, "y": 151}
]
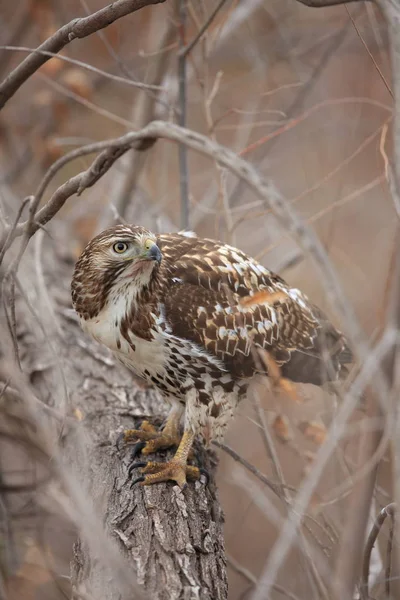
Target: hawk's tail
[{"x": 326, "y": 361}]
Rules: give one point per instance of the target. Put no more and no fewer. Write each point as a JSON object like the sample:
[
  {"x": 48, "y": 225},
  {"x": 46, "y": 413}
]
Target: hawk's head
[{"x": 120, "y": 259}]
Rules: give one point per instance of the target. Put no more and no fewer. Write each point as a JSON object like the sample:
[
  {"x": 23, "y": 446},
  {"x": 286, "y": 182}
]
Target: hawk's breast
[{"x": 146, "y": 357}]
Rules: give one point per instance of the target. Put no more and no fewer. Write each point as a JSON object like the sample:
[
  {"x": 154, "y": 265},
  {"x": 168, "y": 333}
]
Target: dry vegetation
[{"x": 272, "y": 126}]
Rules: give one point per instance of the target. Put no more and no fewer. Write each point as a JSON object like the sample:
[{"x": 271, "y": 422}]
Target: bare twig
[
  {"x": 185, "y": 50},
  {"x": 324, "y": 3},
  {"x": 238, "y": 568},
  {"x": 86, "y": 66},
  {"x": 182, "y": 149},
  {"x": 64, "y": 91},
  {"x": 277, "y": 488},
  {"x": 381, "y": 75},
  {"x": 389, "y": 551},
  {"x": 248, "y": 575},
  {"x": 270, "y": 447},
  {"x": 389, "y": 510},
  {"x": 78, "y": 28},
  {"x": 13, "y": 227}
]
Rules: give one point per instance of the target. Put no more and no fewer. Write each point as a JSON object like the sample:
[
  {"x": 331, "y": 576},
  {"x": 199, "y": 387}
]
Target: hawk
[{"x": 175, "y": 309}]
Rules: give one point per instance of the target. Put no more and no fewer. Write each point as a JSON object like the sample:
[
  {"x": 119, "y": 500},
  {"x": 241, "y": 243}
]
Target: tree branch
[
  {"x": 389, "y": 510},
  {"x": 78, "y": 28},
  {"x": 325, "y": 3}
]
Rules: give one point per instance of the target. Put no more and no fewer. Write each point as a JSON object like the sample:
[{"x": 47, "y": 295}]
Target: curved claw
[
  {"x": 206, "y": 475},
  {"x": 137, "y": 480},
  {"x": 135, "y": 466},
  {"x": 137, "y": 449}
]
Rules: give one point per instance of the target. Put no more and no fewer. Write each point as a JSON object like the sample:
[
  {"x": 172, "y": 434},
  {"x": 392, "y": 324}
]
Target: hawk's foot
[
  {"x": 174, "y": 470},
  {"x": 150, "y": 439}
]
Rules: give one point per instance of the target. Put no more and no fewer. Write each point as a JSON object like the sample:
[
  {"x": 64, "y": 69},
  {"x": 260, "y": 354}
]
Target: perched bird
[{"x": 174, "y": 308}]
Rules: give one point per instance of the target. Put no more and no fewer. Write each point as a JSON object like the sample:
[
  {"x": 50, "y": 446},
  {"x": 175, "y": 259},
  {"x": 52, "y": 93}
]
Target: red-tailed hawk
[{"x": 171, "y": 308}]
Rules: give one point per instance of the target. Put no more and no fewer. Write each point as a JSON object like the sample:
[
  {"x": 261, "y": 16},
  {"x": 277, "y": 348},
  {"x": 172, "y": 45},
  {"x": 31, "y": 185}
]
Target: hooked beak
[{"x": 154, "y": 253}]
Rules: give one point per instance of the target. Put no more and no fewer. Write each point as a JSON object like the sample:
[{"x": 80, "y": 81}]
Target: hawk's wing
[{"x": 205, "y": 283}]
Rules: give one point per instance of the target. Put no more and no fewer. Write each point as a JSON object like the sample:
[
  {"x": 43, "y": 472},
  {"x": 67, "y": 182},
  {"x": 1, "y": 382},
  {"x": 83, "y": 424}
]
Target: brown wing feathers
[{"x": 204, "y": 284}]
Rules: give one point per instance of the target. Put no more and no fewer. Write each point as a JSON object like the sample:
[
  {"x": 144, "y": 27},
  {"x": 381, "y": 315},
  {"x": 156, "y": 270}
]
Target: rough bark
[{"x": 171, "y": 539}]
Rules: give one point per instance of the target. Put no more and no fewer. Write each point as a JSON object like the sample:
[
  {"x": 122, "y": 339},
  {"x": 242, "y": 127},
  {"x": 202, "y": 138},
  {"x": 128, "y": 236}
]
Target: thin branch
[
  {"x": 182, "y": 149},
  {"x": 86, "y": 66},
  {"x": 277, "y": 488},
  {"x": 389, "y": 89},
  {"x": 325, "y": 3},
  {"x": 248, "y": 575},
  {"x": 389, "y": 551},
  {"x": 238, "y": 568},
  {"x": 13, "y": 227},
  {"x": 270, "y": 447},
  {"x": 77, "y": 28},
  {"x": 389, "y": 510},
  {"x": 63, "y": 90},
  {"x": 185, "y": 50}
]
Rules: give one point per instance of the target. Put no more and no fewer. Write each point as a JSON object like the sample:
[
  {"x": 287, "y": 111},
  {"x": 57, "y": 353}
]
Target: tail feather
[{"x": 325, "y": 361}]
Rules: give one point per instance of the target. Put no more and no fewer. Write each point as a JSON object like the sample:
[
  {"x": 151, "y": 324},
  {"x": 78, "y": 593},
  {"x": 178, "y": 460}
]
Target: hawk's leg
[
  {"x": 176, "y": 469},
  {"x": 151, "y": 439}
]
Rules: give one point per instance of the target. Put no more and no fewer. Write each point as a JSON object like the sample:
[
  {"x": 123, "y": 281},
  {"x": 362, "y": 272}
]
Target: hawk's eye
[{"x": 120, "y": 247}]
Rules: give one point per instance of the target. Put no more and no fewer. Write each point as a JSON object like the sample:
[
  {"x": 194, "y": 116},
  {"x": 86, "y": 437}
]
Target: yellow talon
[{"x": 176, "y": 469}]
